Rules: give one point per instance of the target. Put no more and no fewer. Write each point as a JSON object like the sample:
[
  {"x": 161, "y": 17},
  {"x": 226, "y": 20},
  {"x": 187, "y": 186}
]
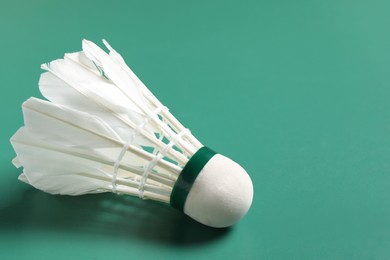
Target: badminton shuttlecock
[{"x": 102, "y": 130}]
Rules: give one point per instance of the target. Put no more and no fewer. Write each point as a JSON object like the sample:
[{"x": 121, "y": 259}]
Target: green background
[{"x": 295, "y": 91}]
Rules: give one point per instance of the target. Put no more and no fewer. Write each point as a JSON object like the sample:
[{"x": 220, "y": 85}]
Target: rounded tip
[{"x": 221, "y": 194}]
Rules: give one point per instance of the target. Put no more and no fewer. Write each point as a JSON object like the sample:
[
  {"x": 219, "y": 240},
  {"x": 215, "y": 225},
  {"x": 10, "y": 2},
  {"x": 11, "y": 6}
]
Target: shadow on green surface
[{"x": 108, "y": 215}]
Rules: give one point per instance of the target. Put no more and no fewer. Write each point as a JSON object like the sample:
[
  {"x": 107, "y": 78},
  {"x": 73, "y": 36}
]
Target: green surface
[{"x": 298, "y": 92}]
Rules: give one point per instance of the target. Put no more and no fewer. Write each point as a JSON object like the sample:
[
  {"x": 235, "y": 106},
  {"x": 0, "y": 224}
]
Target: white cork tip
[{"x": 221, "y": 194}]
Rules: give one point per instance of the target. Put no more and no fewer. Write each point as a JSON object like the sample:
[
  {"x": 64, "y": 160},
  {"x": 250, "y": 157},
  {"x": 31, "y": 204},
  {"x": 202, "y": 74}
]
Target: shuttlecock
[{"x": 102, "y": 130}]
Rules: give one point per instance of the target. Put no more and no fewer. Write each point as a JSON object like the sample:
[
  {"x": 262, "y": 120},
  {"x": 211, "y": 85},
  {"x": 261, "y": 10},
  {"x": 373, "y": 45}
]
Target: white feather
[
  {"x": 71, "y": 145},
  {"x": 73, "y": 85},
  {"x": 63, "y": 165},
  {"x": 115, "y": 74}
]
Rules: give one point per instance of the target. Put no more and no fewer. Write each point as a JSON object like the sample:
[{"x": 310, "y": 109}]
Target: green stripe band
[{"x": 188, "y": 176}]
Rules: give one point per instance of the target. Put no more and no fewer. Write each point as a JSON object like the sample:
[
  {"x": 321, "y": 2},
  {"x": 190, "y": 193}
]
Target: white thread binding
[
  {"x": 126, "y": 145},
  {"x": 159, "y": 156}
]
